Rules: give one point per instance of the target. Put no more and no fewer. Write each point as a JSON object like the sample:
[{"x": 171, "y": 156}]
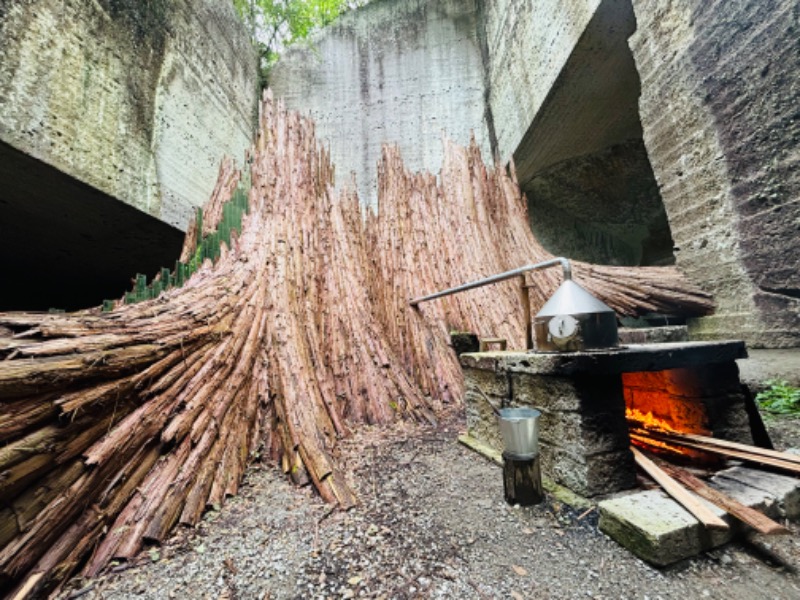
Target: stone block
[
  {"x": 544, "y": 393},
  {"x": 494, "y": 385},
  {"x": 603, "y": 473},
  {"x": 785, "y": 489},
  {"x": 481, "y": 420},
  {"x": 584, "y": 433},
  {"x": 653, "y": 335},
  {"x": 594, "y": 394},
  {"x": 761, "y": 500},
  {"x": 484, "y": 361},
  {"x": 728, "y": 418},
  {"x": 656, "y": 528}
]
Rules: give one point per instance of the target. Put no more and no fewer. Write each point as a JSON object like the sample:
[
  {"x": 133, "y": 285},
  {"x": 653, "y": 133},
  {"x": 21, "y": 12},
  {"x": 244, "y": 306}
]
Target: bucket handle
[{"x": 489, "y": 402}]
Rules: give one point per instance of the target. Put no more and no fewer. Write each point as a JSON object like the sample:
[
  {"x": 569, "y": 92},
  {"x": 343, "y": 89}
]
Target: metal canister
[{"x": 573, "y": 320}]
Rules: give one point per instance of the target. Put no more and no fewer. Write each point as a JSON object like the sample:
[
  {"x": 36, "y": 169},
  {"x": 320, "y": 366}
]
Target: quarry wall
[
  {"x": 721, "y": 118},
  {"x": 137, "y": 99},
  {"x": 114, "y": 116},
  {"x": 401, "y": 72},
  {"x": 643, "y": 132}
]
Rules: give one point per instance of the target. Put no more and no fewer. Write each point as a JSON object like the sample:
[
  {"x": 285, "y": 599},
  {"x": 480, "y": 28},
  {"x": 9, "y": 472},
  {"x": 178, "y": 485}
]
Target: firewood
[
  {"x": 755, "y": 450},
  {"x": 779, "y": 460},
  {"x": 758, "y": 521},
  {"x": 691, "y": 503},
  {"x": 283, "y": 327}
]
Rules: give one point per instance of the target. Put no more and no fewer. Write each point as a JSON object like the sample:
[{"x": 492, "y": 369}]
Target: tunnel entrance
[
  {"x": 592, "y": 194},
  {"x": 65, "y": 244}
]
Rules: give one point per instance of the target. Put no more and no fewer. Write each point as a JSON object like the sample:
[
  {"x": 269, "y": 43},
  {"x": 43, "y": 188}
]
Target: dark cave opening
[
  {"x": 582, "y": 163},
  {"x": 67, "y": 245}
]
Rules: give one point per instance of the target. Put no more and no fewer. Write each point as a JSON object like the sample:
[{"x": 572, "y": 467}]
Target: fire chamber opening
[{"x": 664, "y": 401}]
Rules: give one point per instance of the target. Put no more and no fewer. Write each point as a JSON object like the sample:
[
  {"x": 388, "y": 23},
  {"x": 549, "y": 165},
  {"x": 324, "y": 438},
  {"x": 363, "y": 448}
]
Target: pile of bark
[{"x": 117, "y": 426}]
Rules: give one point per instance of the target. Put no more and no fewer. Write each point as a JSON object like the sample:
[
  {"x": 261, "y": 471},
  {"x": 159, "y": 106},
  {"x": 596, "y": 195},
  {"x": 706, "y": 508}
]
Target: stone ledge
[
  {"x": 656, "y": 528},
  {"x": 653, "y": 335},
  {"x": 625, "y": 359}
]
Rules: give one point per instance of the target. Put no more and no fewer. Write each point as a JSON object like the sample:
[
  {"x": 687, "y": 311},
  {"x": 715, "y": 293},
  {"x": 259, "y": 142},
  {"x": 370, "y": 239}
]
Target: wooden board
[{"x": 685, "y": 498}]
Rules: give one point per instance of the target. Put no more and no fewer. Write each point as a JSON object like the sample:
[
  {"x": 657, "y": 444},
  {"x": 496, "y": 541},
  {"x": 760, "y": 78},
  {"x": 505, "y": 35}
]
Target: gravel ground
[{"x": 432, "y": 523}]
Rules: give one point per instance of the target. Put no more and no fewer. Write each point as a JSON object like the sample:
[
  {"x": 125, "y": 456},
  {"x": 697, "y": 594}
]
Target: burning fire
[
  {"x": 646, "y": 420},
  {"x": 657, "y": 402}
]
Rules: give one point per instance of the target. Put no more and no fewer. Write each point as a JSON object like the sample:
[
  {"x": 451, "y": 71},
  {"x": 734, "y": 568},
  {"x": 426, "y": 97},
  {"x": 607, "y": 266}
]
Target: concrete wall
[
  {"x": 403, "y": 72},
  {"x": 137, "y": 99},
  {"x": 719, "y": 109}
]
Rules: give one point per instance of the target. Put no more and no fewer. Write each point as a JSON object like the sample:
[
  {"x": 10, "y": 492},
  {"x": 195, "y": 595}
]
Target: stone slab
[
  {"x": 656, "y": 528},
  {"x": 782, "y": 491},
  {"x": 653, "y": 335},
  {"x": 631, "y": 358}
]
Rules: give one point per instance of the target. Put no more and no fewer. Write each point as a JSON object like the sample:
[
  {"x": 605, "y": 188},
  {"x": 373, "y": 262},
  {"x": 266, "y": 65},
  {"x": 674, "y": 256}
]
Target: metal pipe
[{"x": 565, "y": 265}]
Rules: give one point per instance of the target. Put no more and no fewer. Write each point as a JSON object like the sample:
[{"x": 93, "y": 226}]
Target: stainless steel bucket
[{"x": 520, "y": 430}]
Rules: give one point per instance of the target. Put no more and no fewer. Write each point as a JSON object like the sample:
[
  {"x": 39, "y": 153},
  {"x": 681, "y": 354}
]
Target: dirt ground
[{"x": 432, "y": 523}]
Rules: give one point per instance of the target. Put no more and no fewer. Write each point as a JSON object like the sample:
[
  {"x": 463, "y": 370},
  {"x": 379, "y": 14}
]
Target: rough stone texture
[
  {"x": 650, "y": 357},
  {"x": 785, "y": 489},
  {"x": 563, "y": 91},
  {"x": 602, "y": 473},
  {"x": 402, "y": 72},
  {"x": 720, "y": 121},
  {"x": 653, "y": 335},
  {"x": 656, "y": 528},
  {"x": 602, "y": 208},
  {"x": 481, "y": 419},
  {"x": 137, "y": 99},
  {"x": 107, "y": 107}
]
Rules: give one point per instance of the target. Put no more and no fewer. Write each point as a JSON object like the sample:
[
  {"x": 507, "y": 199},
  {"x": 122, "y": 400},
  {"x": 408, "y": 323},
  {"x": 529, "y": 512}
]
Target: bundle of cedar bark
[{"x": 117, "y": 426}]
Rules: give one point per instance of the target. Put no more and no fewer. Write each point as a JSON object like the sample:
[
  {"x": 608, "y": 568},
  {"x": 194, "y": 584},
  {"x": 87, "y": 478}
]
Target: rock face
[
  {"x": 721, "y": 124},
  {"x": 106, "y": 104},
  {"x": 642, "y": 132},
  {"x": 403, "y": 72},
  {"x": 138, "y": 99}
]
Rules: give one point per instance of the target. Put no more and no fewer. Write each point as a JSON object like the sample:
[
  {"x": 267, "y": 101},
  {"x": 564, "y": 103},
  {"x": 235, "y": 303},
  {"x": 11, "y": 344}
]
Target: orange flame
[{"x": 655, "y": 401}]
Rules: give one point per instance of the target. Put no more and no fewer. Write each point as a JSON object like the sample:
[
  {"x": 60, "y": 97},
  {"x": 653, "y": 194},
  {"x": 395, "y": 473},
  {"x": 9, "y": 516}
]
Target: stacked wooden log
[{"x": 116, "y": 426}]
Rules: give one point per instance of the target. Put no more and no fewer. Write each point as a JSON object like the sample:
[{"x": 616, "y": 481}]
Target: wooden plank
[
  {"x": 748, "y": 456},
  {"x": 28, "y": 587},
  {"x": 686, "y": 499},
  {"x": 758, "y": 521},
  {"x": 792, "y": 458},
  {"x": 481, "y": 448}
]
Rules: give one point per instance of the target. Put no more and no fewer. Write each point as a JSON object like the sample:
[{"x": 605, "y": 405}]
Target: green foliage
[
  {"x": 209, "y": 247},
  {"x": 276, "y": 24},
  {"x": 780, "y": 398}
]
